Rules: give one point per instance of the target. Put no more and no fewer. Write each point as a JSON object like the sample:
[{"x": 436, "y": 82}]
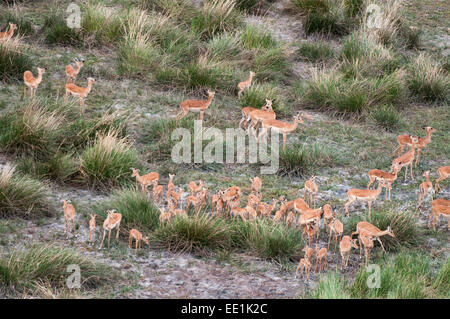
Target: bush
[
  {"x": 57, "y": 32},
  {"x": 386, "y": 117},
  {"x": 303, "y": 159},
  {"x": 199, "y": 234},
  {"x": 271, "y": 65},
  {"x": 224, "y": 46},
  {"x": 216, "y": 17},
  {"x": 13, "y": 60},
  {"x": 26, "y": 268},
  {"x": 22, "y": 196},
  {"x": 108, "y": 160},
  {"x": 137, "y": 210},
  {"x": 427, "y": 80},
  {"x": 267, "y": 239},
  {"x": 255, "y": 38},
  {"x": 315, "y": 51}
]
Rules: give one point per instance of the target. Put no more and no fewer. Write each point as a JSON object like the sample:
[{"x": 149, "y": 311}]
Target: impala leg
[
  {"x": 117, "y": 233},
  {"x": 201, "y": 115},
  {"x": 284, "y": 140},
  {"x": 382, "y": 247},
  {"x": 418, "y": 156},
  {"x": 370, "y": 206},
  {"x": 130, "y": 241},
  {"x": 104, "y": 234}
]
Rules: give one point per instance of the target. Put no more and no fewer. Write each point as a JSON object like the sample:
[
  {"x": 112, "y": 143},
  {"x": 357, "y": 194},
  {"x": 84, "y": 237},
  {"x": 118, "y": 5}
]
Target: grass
[
  {"x": 57, "y": 32},
  {"x": 15, "y": 15},
  {"x": 257, "y": 94},
  {"x": 303, "y": 159},
  {"x": 331, "y": 286},
  {"x": 386, "y": 117},
  {"x": 107, "y": 161},
  {"x": 256, "y": 38},
  {"x": 25, "y": 269},
  {"x": 22, "y": 196},
  {"x": 315, "y": 51},
  {"x": 13, "y": 60},
  {"x": 427, "y": 80},
  {"x": 138, "y": 211}
]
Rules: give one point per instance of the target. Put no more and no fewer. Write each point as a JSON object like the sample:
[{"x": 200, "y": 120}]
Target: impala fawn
[
  {"x": 194, "y": 188},
  {"x": 404, "y": 140},
  {"x": 195, "y": 106},
  {"x": 280, "y": 127},
  {"x": 145, "y": 180},
  {"x": 72, "y": 72},
  {"x": 336, "y": 227},
  {"x": 31, "y": 82},
  {"x": 321, "y": 259},
  {"x": 78, "y": 91},
  {"x": 345, "y": 246},
  {"x": 8, "y": 34},
  {"x": 174, "y": 212},
  {"x": 364, "y": 195},
  {"x": 157, "y": 192},
  {"x": 305, "y": 267},
  {"x": 164, "y": 216},
  {"x": 265, "y": 113},
  {"x": 246, "y": 111},
  {"x": 173, "y": 198},
  {"x": 425, "y": 188},
  {"x": 217, "y": 203},
  {"x": 69, "y": 217},
  {"x": 256, "y": 185},
  {"x": 389, "y": 178},
  {"x": 245, "y": 84},
  {"x": 312, "y": 189},
  {"x": 373, "y": 231},
  {"x": 366, "y": 240},
  {"x": 92, "y": 225},
  {"x": 439, "y": 207},
  {"x": 265, "y": 210},
  {"x": 300, "y": 205},
  {"x": 137, "y": 236},
  {"x": 407, "y": 158},
  {"x": 444, "y": 173},
  {"x": 112, "y": 221},
  {"x": 171, "y": 185},
  {"x": 328, "y": 215}
]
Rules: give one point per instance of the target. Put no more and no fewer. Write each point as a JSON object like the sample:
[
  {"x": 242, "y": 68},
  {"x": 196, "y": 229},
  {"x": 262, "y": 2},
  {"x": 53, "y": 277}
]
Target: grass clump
[
  {"x": 271, "y": 65},
  {"x": 217, "y": 16},
  {"x": 24, "y": 269},
  {"x": 256, "y": 38},
  {"x": 257, "y": 94},
  {"x": 386, "y": 117},
  {"x": 315, "y": 51},
  {"x": 138, "y": 211},
  {"x": 13, "y": 60},
  {"x": 22, "y": 196},
  {"x": 302, "y": 159},
  {"x": 15, "y": 15},
  {"x": 58, "y": 32},
  {"x": 107, "y": 161},
  {"x": 427, "y": 80},
  {"x": 200, "y": 234},
  {"x": 331, "y": 286},
  {"x": 267, "y": 239}
]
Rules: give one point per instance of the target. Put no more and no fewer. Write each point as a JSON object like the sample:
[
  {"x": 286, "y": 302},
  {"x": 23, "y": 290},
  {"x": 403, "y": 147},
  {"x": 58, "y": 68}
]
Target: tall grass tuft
[
  {"x": 58, "y": 32},
  {"x": 137, "y": 209},
  {"x": 100, "y": 24},
  {"x": 315, "y": 51},
  {"x": 13, "y": 60},
  {"x": 331, "y": 286},
  {"x": 15, "y": 14},
  {"x": 25, "y": 268},
  {"x": 22, "y": 196},
  {"x": 257, "y": 94},
  {"x": 427, "y": 80},
  {"x": 108, "y": 160},
  {"x": 256, "y": 38},
  {"x": 387, "y": 117}
]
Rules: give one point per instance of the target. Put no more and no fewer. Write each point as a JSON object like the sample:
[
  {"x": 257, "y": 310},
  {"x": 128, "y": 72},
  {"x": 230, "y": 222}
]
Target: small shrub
[
  {"x": 16, "y": 16},
  {"x": 331, "y": 286},
  {"x": 302, "y": 159},
  {"x": 353, "y": 7},
  {"x": 108, "y": 160},
  {"x": 138, "y": 211},
  {"x": 25, "y": 268},
  {"x": 386, "y": 117},
  {"x": 102, "y": 23},
  {"x": 315, "y": 51},
  {"x": 271, "y": 65},
  {"x": 199, "y": 233},
  {"x": 256, "y": 38},
  {"x": 57, "y": 32},
  {"x": 224, "y": 46},
  {"x": 22, "y": 196},
  {"x": 427, "y": 81},
  {"x": 13, "y": 60},
  {"x": 204, "y": 74}
]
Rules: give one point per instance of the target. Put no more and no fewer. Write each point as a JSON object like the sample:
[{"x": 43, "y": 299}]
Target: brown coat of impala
[
  {"x": 439, "y": 207},
  {"x": 425, "y": 188},
  {"x": 31, "y": 82},
  {"x": 336, "y": 227},
  {"x": 246, "y": 111},
  {"x": 137, "y": 236},
  {"x": 144, "y": 180},
  {"x": 69, "y": 218},
  {"x": 198, "y": 106},
  {"x": 78, "y": 91},
  {"x": 312, "y": 189},
  {"x": 112, "y": 221},
  {"x": 375, "y": 232},
  {"x": 92, "y": 225},
  {"x": 345, "y": 246},
  {"x": 8, "y": 34},
  {"x": 364, "y": 195},
  {"x": 389, "y": 178},
  {"x": 407, "y": 159},
  {"x": 245, "y": 84},
  {"x": 266, "y": 113},
  {"x": 72, "y": 72},
  {"x": 404, "y": 140},
  {"x": 444, "y": 173}
]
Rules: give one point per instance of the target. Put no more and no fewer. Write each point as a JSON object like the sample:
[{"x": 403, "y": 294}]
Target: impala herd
[{"x": 300, "y": 212}]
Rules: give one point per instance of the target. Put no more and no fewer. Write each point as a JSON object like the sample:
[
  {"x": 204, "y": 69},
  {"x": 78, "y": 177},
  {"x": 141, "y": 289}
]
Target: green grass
[
  {"x": 315, "y": 51},
  {"x": 24, "y": 269},
  {"x": 22, "y": 196},
  {"x": 16, "y": 15},
  {"x": 138, "y": 211},
  {"x": 14, "y": 60},
  {"x": 331, "y": 286},
  {"x": 386, "y": 117},
  {"x": 257, "y": 94},
  {"x": 57, "y": 32},
  {"x": 107, "y": 161},
  {"x": 257, "y": 38}
]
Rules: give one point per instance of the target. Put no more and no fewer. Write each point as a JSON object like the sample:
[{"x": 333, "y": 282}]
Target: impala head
[
  {"x": 252, "y": 73},
  {"x": 171, "y": 176},
  {"x": 91, "y": 80},
  {"x": 390, "y": 231},
  {"x": 67, "y": 202},
  {"x": 135, "y": 172},
  {"x": 93, "y": 216},
  {"x": 268, "y": 105},
  {"x": 211, "y": 93},
  {"x": 79, "y": 64},
  {"x": 41, "y": 70},
  {"x": 146, "y": 240},
  {"x": 298, "y": 118},
  {"x": 414, "y": 139},
  {"x": 395, "y": 167},
  {"x": 354, "y": 244},
  {"x": 305, "y": 249},
  {"x": 429, "y": 129},
  {"x": 12, "y": 26},
  {"x": 426, "y": 173}
]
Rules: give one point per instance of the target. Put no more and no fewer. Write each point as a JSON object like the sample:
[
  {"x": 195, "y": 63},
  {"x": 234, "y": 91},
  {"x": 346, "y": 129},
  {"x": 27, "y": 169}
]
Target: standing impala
[
  {"x": 376, "y": 233},
  {"x": 312, "y": 189},
  {"x": 266, "y": 113},
  {"x": 425, "y": 188},
  {"x": 195, "y": 106},
  {"x": 72, "y": 72},
  {"x": 145, "y": 180},
  {"x": 78, "y": 91},
  {"x": 248, "y": 109},
  {"x": 345, "y": 246},
  {"x": 112, "y": 221},
  {"x": 8, "y": 34},
  {"x": 439, "y": 207},
  {"x": 363, "y": 195},
  {"x": 404, "y": 140},
  {"x": 389, "y": 178},
  {"x": 32, "y": 82},
  {"x": 69, "y": 218},
  {"x": 245, "y": 84},
  {"x": 280, "y": 127},
  {"x": 407, "y": 158},
  {"x": 444, "y": 173}
]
